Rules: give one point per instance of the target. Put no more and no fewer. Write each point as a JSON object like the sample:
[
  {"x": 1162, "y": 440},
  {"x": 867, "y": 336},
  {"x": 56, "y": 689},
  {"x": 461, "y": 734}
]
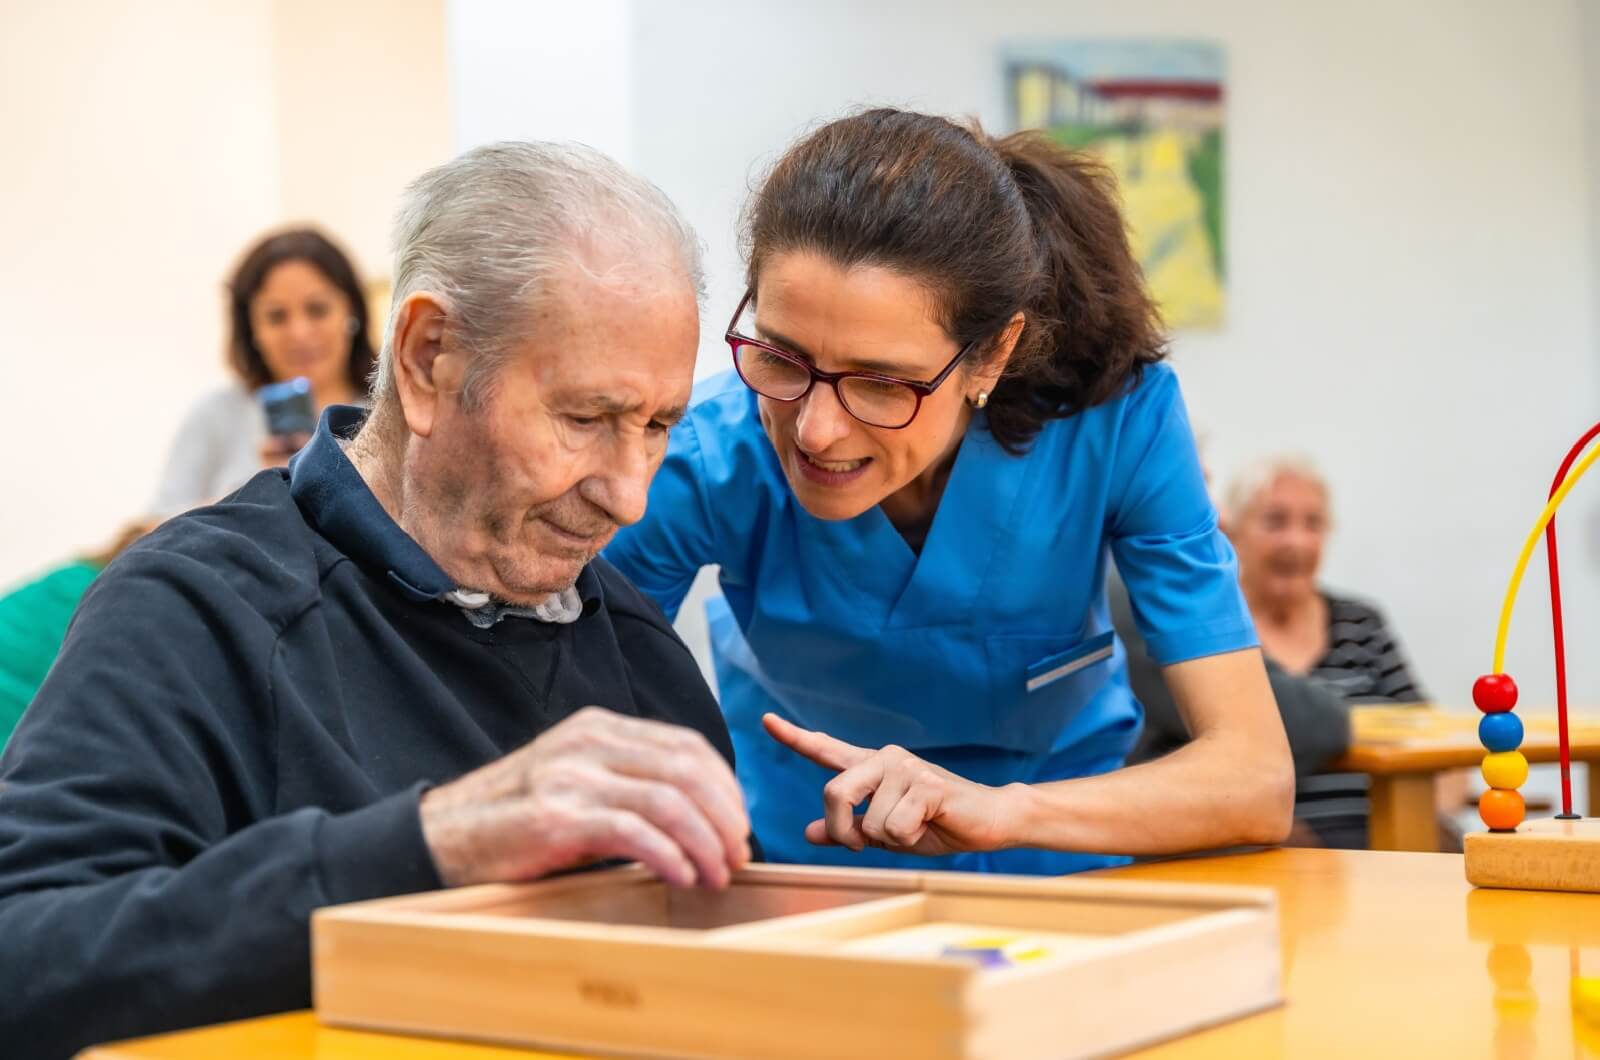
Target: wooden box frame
[{"x": 615, "y": 962}]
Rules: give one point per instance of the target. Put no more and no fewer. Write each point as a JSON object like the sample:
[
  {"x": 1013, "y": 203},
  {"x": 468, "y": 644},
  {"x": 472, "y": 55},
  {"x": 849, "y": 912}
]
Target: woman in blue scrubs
[{"x": 950, "y": 409}]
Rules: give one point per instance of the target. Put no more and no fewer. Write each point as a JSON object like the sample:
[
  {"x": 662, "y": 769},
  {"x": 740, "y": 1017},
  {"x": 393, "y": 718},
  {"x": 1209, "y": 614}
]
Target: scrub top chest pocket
[{"x": 1040, "y": 682}]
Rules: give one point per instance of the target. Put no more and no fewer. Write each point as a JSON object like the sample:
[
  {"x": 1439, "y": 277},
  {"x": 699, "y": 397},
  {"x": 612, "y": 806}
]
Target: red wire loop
[{"x": 1555, "y": 622}]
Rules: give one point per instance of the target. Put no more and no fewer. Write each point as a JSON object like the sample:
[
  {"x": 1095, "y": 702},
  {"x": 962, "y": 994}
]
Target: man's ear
[{"x": 425, "y": 373}]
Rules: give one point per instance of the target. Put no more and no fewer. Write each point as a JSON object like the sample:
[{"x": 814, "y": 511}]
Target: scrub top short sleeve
[{"x": 1181, "y": 572}]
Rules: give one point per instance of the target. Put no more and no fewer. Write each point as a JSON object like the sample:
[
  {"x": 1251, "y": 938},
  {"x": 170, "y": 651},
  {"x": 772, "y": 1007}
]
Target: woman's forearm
[
  {"x": 1199, "y": 797},
  {"x": 1233, "y": 784}
]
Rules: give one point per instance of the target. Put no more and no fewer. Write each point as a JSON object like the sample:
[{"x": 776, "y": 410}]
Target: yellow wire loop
[{"x": 1545, "y": 516}]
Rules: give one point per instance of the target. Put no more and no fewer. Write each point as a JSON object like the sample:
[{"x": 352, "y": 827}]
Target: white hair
[
  {"x": 488, "y": 231},
  {"x": 1255, "y": 477}
]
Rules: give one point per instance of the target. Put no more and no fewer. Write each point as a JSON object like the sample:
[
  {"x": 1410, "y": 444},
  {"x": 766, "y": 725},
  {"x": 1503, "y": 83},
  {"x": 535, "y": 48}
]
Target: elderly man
[{"x": 253, "y": 705}]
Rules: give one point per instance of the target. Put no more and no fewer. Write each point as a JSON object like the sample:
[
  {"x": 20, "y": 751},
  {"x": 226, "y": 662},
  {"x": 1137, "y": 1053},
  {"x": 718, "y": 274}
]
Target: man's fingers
[
  {"x": 682, "y": 757},
  {"x": 821, "y": 748},
  {"x": 622, "y": 834},
  {"x": 671, "y": 739},
  {"x": 692, "y": 774},
  {"x": 677, "y": 817}
]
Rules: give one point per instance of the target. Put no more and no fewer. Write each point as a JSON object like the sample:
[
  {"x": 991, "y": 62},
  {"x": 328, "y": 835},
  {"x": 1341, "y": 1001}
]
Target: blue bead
[{"x": 1500, "y": 732}]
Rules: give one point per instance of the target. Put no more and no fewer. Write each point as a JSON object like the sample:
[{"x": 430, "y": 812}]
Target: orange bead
[{"x": 1500, "y": 809}]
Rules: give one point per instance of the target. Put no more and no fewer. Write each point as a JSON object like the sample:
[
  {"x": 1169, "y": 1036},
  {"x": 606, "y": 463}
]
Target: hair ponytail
[
  {"x": 990, "y": 228},
  {"x": 1094, "y": 325}
]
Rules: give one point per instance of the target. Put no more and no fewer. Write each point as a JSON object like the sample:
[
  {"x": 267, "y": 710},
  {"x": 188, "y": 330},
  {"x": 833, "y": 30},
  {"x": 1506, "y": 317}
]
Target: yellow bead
[
  {"x": 1505, "y": 769},
  {"x": 1586, "y": 999}
]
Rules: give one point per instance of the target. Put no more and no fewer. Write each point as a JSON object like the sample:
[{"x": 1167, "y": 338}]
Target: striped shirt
[{"x": 1363, "y": 660}]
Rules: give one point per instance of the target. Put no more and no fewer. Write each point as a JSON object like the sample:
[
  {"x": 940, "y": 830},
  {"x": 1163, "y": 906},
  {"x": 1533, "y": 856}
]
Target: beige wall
[
  {"x": 144, "y": 146},
  {"x": 384, "y": 62}
]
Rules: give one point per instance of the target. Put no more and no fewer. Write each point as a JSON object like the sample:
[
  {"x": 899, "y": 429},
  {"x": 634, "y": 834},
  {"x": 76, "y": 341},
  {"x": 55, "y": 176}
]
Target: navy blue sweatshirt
[{"x": 246, "y": 710}]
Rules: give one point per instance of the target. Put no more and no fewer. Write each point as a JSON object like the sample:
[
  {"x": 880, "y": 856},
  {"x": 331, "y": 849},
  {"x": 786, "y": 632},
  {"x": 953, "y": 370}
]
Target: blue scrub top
[{"x": 991, "y": 653}]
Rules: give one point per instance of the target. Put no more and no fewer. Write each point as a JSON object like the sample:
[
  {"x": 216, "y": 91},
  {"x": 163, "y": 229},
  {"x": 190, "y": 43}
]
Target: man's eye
[{"x": 657, "y": 427}]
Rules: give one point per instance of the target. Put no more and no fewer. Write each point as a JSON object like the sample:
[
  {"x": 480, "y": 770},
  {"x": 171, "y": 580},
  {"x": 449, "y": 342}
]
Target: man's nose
[
  {"x": 624, "y": 484},
  {"x": 822, "y": 420}
]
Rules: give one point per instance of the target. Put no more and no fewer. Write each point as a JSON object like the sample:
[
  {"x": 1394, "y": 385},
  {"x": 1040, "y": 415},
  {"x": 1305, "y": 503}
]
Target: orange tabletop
[
  {"x": 1404, "y": 749},
  {"x": 1385, "y": 954}
]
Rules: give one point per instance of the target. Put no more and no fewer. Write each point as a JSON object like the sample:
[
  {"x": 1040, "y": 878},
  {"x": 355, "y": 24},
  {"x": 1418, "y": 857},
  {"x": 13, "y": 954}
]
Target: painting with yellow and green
[{"x": 1153, "y": 110}]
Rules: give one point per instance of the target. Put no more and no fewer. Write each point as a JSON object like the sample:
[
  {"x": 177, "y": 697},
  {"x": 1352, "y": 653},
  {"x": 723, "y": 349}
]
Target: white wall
[
  {"x": 137, "y": 163},
  {"x": 145, "y": 146},
  {"x": 1410, "y": 297},
  {"x": 540, "y": 70},
  {"x": 1589, "y": 44},
  {"x": 362, "y": 108}
]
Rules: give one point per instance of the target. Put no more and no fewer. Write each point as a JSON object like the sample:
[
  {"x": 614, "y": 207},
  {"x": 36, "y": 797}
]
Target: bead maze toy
[{"x": 1560, "y": 853}]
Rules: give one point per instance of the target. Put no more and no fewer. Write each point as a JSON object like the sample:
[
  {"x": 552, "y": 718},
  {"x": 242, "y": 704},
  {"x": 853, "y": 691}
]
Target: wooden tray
[{"x": 803, "y": 962}]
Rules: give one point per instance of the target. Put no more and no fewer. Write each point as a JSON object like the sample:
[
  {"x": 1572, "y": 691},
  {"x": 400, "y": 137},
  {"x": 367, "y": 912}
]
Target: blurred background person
[
  {"x": 1315, "y": 716},
  {"x": 295, "y": 310},
  {"x": 34, "y": 618},
  {"x": 1279, "y": 517}
]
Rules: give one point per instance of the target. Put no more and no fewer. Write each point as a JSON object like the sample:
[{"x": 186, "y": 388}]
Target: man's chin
[{"x": 535, "y": 587}]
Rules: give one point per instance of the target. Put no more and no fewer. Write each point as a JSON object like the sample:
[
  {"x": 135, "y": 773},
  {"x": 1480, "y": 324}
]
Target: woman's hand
[
  {"x": 278, "y": 448},
  {"x": 914, "y": 807}
]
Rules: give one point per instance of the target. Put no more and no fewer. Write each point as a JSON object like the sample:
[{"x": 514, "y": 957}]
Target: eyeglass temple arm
[{"x": 739, "y": 312}]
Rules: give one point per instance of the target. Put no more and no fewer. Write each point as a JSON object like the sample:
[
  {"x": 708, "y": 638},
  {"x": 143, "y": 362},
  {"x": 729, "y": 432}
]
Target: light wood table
[
  {"x": 1384, "y": 955},
  {"x": 1404, "y": 749}
]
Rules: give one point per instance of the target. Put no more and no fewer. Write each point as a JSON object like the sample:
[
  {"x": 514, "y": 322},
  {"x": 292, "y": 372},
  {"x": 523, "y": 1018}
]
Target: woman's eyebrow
[{"x": 783, "y": 342}]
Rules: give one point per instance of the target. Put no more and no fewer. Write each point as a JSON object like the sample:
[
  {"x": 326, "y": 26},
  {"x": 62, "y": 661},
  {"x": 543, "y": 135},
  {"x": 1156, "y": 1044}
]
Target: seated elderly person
[
  {"x": 324, "y": 687},
  {"x": 1278, "y": 520},
  {"x": 1315, "y": 718}
]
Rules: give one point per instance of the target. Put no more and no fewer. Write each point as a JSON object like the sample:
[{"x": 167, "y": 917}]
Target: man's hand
[
  {"x": 915, "y": 806},
  {"x": 598, "y": 785}
]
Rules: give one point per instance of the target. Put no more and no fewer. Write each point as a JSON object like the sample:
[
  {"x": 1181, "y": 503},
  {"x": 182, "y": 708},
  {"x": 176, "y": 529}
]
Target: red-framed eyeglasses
[{"x": 876, "y": 400}]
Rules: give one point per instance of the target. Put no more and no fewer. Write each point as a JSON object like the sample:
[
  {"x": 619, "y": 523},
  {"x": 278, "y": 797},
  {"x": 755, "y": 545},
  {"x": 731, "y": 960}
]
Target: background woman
[{"x": 295, "y": 310}]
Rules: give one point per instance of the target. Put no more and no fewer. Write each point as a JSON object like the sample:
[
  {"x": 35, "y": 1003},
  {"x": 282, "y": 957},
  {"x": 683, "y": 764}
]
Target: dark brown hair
[
  {"x": 990, "y": 227},
  {"x": 315, "y": 249}
]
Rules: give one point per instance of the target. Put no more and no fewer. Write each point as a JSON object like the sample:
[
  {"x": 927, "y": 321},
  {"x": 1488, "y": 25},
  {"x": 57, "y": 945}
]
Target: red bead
[{"x": 1494, "y": 693}]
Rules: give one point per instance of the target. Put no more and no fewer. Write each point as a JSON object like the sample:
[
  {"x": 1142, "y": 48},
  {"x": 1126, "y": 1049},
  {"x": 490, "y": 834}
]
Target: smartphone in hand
[{"x": 288, "y": 407}]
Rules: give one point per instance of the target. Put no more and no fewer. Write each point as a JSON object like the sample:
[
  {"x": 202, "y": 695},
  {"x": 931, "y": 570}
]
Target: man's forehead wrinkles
[{"x": 616, "y": 404}]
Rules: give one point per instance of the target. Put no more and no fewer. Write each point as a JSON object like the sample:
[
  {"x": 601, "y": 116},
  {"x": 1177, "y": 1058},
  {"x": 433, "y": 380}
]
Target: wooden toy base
[
  {"x": 1543, "y": 855},
  {"x": 804, "y": 963}
]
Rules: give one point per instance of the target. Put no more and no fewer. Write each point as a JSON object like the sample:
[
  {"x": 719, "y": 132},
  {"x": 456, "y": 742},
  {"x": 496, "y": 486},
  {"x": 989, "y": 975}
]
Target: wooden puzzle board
[{"x": 798, "y": 962}]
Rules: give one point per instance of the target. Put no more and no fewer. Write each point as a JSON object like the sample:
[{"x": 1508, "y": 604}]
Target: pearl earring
[{"x": 983, "y": 399}]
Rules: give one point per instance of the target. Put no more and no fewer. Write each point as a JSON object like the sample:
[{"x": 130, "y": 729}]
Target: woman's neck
[
  {"x": 332, "y": 392},
  {"x": 1280, "y": 611},
  {"x": 912, "y": 507}
]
